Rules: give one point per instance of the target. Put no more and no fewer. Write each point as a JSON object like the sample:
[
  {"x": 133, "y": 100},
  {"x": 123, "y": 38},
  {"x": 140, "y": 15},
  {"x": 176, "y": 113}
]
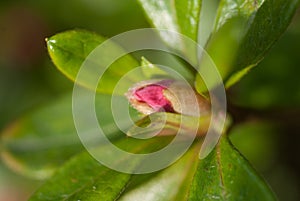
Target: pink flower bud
[{"x": 166, "y": 95}]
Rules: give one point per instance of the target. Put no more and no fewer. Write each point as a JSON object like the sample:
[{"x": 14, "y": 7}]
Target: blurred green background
[{"x": 265, "y": 104}]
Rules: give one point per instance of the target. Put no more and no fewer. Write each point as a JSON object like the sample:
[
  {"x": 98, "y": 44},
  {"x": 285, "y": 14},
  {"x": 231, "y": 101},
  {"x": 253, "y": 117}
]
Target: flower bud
[{"x": 167, "y": 95}]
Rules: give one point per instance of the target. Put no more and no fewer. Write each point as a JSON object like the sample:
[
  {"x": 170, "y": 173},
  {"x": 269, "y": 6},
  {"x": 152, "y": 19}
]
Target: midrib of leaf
[
  {"x": 124, "y": 188},
  {"x": 218, "y": 162}
]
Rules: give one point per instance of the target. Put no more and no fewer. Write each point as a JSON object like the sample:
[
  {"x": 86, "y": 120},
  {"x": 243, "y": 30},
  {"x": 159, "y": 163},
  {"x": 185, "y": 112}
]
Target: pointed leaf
[
  {"x": 270, "y": 21},
  {"x": 243, "y": 33},
  {"x": 84, "y": 178},
  {"x": 152, "y": 71},
  {"x": 181, "y": 16},
  {"x": 70, "y": 49},
  {"x": 231, "y": 8},
  {"x": 225, "y": 175}
]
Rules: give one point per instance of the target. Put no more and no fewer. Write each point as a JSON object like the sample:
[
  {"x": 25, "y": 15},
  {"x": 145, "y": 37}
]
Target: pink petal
[{"x": 154, "y": 97}]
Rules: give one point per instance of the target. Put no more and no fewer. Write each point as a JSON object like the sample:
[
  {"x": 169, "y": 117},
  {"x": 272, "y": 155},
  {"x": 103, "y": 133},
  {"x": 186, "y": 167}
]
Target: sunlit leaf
[
  {"x": 270, "y": 21},
  {"x": 69, "y": 50},
  {"x": 221, "y": 52},
  {"x": 181, "y": 16},
  {"x": 243, "y": 33},
  {"x": 84, "y": 178},
  {"x": 231, "y": 8},
  {"x": 223, "y": 175}
]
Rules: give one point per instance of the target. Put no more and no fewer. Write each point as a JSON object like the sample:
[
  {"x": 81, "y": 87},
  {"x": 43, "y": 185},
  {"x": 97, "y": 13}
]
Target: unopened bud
[{"x": 167, "y": 95}]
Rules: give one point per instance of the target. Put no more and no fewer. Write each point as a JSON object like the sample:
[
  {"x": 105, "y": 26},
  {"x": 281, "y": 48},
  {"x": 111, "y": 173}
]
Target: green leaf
[
  {"x": 169, "y": 184},
  {"x": 219, "y": 52},
  {"x": 83, "y": 178},
  {"x": 181, "y": 16},
  {"x": 68, "y": 51},
  {"x": 36, "y": 144},
  {"x": 152, "y": 71},
  {"x": 169, "y": 123},
  {"x": 238, "y": 76},
  {"x": 268, "y": 24},
  {"x": 229, "y": 9},
  {"x": 258, "y": 142},
  {"x": 39, "y": 142},
  {"x": 231, "y": 21},
  {"x": 266, "y": 87},
  {"x": 270, "y": 21},
  {"x": 243, "y": 33},
  {"x": 225, "y": 175}
]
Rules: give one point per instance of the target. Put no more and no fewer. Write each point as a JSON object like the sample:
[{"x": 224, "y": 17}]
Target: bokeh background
[{"x": 265, "y": 105}]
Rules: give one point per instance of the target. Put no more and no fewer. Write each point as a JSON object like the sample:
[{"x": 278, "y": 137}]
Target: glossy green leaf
[
  {"x": 181, "y": 16},
  {"x": 222, "y": 50},
  {"x": 83, "y": 178},
  {"x": 270, "y": 21},
  {"x": 231, "y": 8},
  {"x": 70, "y": 49},
  {"x": 229, "y": 26},
  {"x": 266, "y": 87},
  {"x": 268, "y": 24},
  {"x": 225, "y": 175},
  {"x": 232, "y": 17},
  {"x": 207, "y": 23},
  {"x": 243, "y": 32}
]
